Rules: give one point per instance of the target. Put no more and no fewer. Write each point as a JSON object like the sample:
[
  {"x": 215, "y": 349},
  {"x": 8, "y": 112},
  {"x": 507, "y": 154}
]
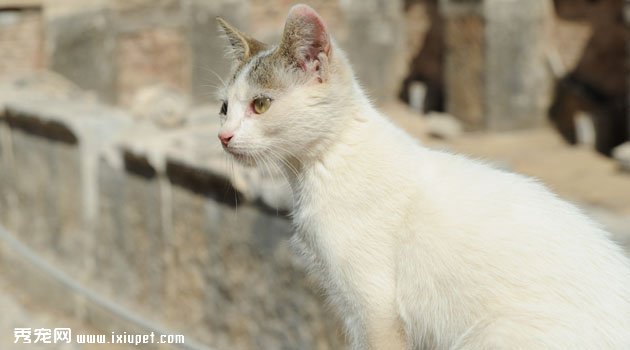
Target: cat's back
[
  {"x": 498, "y": 208},
  {"x": 502, "y": 244}
]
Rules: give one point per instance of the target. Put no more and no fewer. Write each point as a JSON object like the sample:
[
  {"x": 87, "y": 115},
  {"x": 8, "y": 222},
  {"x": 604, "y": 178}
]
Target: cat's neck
[
  {"x": 340, "y": 155},
  {"x": 351, "y": 109}
]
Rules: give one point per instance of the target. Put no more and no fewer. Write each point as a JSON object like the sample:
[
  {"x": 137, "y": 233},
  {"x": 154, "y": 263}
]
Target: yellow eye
[{"x": 261, "y": 105}]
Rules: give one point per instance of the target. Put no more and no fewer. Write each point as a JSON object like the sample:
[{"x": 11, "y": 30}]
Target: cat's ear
[
  {"x": 242, "y": 47},
  {"x": 305, "y": 41}
]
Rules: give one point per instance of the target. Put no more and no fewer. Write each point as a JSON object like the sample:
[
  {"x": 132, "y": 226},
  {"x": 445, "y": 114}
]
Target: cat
[{"x": 415, "y": 248}]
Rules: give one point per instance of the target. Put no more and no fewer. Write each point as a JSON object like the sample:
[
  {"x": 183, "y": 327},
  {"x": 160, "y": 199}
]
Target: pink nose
[{"x": 225, "y": 137}]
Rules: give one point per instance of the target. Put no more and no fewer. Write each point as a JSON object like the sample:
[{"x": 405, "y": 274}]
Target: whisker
[
  {"x": 235, "y": 190},
  {"x": 232, "y": 181},
  {"x": 214, "y": 86},
  {"x": 286, "y": 183},
  {"x": 215, "y": 74},
  {"x": 275, "y": 160},
  {"x": 290, "y": 166},
  {"x": 264, "y": 161},
  {"x": 272, "y": 161}
]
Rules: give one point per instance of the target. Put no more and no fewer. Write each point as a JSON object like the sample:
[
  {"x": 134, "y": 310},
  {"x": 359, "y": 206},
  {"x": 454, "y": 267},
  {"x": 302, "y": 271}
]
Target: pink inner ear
[{"x": 316, "y": 28}]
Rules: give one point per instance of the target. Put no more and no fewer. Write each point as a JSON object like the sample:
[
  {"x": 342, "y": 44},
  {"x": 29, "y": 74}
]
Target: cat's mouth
[{"x": 241, "y": 157}]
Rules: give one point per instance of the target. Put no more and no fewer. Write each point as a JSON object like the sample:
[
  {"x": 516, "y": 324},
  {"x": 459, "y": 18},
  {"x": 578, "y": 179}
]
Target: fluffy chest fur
[{"x": 348, "y": 227}]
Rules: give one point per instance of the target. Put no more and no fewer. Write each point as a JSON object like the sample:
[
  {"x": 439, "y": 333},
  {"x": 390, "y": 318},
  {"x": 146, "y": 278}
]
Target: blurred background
[{"x": 119, "y": 211}]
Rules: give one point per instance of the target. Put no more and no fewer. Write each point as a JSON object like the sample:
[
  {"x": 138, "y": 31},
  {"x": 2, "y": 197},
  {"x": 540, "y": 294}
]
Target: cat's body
[{"x": 417, "y": 249}]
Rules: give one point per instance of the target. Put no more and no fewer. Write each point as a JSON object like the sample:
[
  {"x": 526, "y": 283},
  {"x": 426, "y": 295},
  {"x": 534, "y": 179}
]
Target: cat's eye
[
  {"x": 224, "y": 108},
  {"x": 261, "y": 104}
]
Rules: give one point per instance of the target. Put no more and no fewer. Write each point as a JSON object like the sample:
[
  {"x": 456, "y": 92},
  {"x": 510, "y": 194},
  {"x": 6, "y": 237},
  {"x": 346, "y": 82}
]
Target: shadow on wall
[
  {"x": 427, "y": 65},
  {"x": 598, "y": 84}
]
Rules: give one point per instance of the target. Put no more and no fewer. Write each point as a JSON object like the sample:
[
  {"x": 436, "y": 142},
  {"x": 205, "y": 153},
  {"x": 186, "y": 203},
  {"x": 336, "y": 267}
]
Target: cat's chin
[{"x": 243, "y": 159}]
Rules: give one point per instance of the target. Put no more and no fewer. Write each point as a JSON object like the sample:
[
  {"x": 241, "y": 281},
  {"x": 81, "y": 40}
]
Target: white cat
[{"x": 416, "y": 248}]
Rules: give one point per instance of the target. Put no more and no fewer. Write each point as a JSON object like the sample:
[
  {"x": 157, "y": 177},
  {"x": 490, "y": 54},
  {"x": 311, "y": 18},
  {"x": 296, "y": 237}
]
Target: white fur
[{"x": 421, "y": 249}]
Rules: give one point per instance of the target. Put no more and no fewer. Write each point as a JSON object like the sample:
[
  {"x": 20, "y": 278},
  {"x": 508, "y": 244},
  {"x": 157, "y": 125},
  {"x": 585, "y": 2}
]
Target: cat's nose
[{"x": 225, "y": 137}]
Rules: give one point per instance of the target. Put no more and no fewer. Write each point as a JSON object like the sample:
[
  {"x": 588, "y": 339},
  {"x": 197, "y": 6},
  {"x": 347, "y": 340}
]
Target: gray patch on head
[
  {"x": 237, "y": 71},
  {"x": 262, "y": 71}
]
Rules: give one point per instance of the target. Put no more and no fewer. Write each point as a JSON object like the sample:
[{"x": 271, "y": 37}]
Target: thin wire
[{"x": 90, "y": 295}]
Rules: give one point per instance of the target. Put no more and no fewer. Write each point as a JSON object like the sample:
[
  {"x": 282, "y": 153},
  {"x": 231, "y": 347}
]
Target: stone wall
[
  {"x": 116, "y": 47},
  {"x": 148, "y": 220},
  {"x": 518, "y": 82},
  {"x": 465, "y": 59},
  {"x": 496, "y": 70},
  {"x": 151, "y": 56}
]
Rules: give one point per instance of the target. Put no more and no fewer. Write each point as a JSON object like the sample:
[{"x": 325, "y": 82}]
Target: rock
[
  {"x": 621, "y": 154},
  {"x": 585, "y": 129},
  {"x": 443, "y": 125},
  {"x": 417, "y": 94},
  {"x": 163, "y": 105}
]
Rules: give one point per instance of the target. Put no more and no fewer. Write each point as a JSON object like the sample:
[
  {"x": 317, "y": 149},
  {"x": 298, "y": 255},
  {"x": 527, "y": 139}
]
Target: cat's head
[{"x": 283, "y": 102}]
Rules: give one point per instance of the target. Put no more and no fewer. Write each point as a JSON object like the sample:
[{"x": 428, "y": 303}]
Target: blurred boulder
[
  {"x": 443, "y": 125},
  {"x": 621, "y": 154}
]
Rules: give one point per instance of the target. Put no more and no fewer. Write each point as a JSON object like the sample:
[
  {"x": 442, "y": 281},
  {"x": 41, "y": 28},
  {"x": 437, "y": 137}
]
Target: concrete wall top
[{"x": 190, "y": 155}]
